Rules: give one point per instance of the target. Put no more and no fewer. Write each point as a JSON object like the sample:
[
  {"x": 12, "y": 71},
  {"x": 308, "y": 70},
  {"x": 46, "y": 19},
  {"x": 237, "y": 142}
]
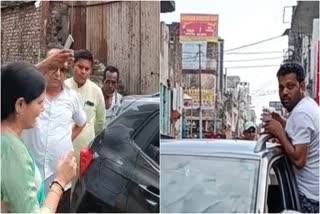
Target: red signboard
[{"x": 198, "y": 28}]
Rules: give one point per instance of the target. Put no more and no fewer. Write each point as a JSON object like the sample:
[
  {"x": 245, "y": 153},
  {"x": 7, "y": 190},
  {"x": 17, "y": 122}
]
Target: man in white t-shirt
[
  {"x": 111, "y": 97},
  {"x": 300, "y": 136}
]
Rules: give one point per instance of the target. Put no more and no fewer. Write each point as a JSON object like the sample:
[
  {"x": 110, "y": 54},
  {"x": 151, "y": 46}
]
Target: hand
[
  {"x": 274, "y": 127},
  {"x": 266, "y": 115},
  {"x": 279, "y": 118},
  {"x": 66, "y": 169},
  {"x": 61, "y": 59}
]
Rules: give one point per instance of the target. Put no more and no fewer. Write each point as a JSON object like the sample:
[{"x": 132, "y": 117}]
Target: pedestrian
[
  {"x": 60, "y": 123},
  {"x": 22, "y": 100},
  {"x": 93, "y": 99},
  {"x": 299, "y": 135},
  {"x": 249, "y": 131},
  {"x": 111, "y": 96}
]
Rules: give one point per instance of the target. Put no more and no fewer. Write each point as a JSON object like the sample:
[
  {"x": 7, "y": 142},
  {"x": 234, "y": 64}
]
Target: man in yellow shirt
[{"x": 92, "y": 96}]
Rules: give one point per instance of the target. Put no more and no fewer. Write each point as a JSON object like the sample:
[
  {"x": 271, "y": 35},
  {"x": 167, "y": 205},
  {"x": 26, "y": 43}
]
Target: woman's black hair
[{"x": 19, "y": 79}]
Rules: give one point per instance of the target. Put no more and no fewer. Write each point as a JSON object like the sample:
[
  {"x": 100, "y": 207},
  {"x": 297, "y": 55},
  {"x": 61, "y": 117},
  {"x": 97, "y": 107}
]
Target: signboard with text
[
  {"x": 207, "y": 98},
  {"x": 198, "y": 28}
]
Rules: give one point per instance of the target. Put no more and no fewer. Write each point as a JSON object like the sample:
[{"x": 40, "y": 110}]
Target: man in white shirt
[
  {"x": 52, "y": 137},
  {"x": 111, "y": 97}
]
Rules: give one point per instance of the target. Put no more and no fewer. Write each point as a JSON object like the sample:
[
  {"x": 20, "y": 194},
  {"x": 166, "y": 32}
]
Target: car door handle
[{"x": 150, "y": 195}]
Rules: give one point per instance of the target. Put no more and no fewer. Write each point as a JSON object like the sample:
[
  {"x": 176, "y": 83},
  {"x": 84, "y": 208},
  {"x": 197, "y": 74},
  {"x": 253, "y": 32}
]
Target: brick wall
[
  {"x": 26, "y": 30},
  {"x": 20, "y": 33}
]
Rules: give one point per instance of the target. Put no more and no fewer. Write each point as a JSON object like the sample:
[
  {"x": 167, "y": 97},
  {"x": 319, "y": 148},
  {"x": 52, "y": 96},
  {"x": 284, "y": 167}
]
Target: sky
[{"x": 241, "y": 23}]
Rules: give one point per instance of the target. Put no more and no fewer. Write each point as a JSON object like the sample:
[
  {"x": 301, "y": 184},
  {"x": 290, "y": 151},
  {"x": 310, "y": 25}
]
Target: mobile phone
[{"x": 69, "y": 42}]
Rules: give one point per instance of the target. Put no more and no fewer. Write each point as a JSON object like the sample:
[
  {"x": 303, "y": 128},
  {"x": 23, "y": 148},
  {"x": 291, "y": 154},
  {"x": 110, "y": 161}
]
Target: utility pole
[
  {"x": 200, "y": 96},
  {"x": 221, "y": 89},
  {"x": 217, "y": 87}
]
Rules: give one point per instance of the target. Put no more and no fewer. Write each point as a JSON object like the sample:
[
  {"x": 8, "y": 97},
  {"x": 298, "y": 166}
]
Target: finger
[
  {"x": 66, "y": 51},
  {"x": 67, "y": 56},
  {"x": 264, "y": 132},
  {"x": 70, "y": 155},
  {"x": 73, "y": 160}
]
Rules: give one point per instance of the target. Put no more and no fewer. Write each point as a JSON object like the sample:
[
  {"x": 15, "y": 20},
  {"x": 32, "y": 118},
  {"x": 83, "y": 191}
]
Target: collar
[{"x": 76, "y": 84}]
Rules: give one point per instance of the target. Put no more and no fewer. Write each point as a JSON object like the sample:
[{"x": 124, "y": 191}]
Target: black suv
[{"x": 120, "y": 169}]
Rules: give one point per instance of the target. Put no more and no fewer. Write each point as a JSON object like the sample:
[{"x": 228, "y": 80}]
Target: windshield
[
  {"x": 133, "y": 115},
  {"x": 208, "y": 184}
]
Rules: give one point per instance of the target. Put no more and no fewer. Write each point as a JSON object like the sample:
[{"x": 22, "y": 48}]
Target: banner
[
  {"x": 198, "y": 28},
  {"x": 207, "y": 97}
]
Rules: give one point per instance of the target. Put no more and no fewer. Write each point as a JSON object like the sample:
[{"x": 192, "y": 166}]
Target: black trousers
[{"x": 64, "y": 204}]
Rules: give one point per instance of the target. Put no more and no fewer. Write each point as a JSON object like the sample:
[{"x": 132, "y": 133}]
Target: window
[
  {"x": 274, "y": 200},
  {"x": 152, "y": 150},
  {"x": 146, "y": 134},
  {"x": 280, "y": 195}
]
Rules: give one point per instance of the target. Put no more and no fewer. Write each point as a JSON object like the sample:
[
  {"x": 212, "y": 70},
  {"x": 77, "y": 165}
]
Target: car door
[
  {"x": 143, "y": 190},
  {"x": 282, "y": 191}
]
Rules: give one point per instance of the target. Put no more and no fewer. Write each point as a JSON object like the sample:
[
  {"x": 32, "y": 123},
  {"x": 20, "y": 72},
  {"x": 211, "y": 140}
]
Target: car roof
[
  {"x": 217, "y": 147},
  {"x": 152, "y": 98}
]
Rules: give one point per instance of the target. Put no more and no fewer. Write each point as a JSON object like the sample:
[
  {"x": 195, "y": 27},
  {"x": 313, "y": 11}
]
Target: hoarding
[
  {"x": 198, "y": 27},
  {"x": 207, "y": 98}
]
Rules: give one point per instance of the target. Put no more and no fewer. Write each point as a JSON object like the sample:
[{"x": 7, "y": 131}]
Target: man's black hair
[
  {"x": 289, "y": 67},
  {"x": 83, "y": 54},
  {"x": 111, "y": 69}
]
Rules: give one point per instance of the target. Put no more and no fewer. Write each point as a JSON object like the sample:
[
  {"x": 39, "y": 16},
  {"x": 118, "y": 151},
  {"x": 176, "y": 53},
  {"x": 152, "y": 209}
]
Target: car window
[
  {"x": 208, "y": 184},
  {"x": 145, "y": 136},
  {"x": 280, "y": 195},
  {"x": 274, "y": 195},
  {"x": 152, "y": 150}
]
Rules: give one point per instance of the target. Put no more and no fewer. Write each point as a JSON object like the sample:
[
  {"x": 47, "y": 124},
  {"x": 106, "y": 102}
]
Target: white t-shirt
[
  {"x": 112, "y": 110},
  {"x": 303, "y": 128}
]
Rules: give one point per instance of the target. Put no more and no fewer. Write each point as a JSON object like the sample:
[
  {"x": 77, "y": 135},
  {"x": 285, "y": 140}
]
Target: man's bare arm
[{"x": 297, "y": 154}]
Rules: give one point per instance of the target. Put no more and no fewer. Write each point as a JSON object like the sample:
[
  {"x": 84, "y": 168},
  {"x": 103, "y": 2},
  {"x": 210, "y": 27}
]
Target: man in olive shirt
[{"x": 92, "y": 97}]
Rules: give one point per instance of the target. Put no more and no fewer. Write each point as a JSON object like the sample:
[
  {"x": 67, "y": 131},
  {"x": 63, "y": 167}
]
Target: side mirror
[{"x": 261, "y": 143}]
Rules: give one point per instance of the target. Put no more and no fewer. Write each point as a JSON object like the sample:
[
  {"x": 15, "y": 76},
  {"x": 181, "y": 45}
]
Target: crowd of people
[{"x": 46, "y": 120}]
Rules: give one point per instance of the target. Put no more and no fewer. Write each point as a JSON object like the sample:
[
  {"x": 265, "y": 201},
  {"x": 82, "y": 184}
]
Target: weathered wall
[
  {"x": 20, "y": 33},
  {"x": 124, "y": 34},
  {"x": 26, "y": 30}
]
